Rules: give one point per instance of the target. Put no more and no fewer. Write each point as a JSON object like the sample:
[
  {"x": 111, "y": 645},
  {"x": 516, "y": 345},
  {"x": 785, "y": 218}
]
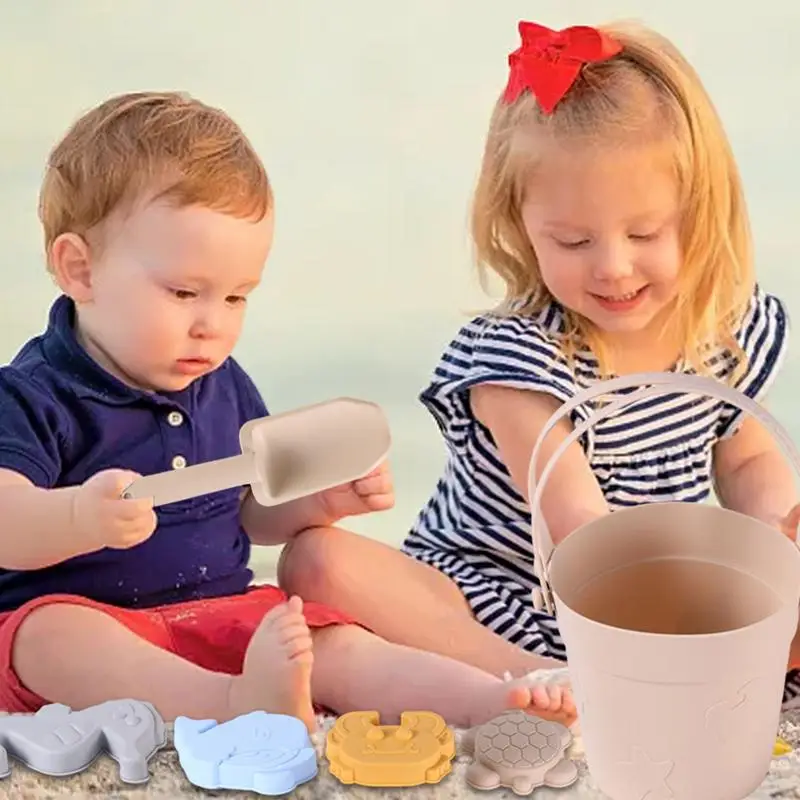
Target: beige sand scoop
[
  {"x": 677, "y": 620},
  {"x": 285, "y": 456}
]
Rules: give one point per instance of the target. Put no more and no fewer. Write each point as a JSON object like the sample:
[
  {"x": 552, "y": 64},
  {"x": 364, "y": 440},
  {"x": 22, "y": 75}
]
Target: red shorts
[{"x": 212, "y": 633}]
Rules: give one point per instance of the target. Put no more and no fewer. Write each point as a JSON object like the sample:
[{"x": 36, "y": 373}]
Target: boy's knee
[{"x": 305, "y": 561}]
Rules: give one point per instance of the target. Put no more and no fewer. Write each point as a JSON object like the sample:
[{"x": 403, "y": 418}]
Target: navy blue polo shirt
[{"x": 63, "y": 418}]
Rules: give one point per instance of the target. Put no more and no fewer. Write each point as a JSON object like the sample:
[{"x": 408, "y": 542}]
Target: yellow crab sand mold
[{"x": 362, "y": 751}]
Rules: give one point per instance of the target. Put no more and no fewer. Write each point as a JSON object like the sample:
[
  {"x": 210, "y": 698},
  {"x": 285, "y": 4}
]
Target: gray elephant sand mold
[{"x": 57, "y": 741}]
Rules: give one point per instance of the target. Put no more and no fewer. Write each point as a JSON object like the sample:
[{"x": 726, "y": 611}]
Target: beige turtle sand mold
[{"x": 521, "y": 752}]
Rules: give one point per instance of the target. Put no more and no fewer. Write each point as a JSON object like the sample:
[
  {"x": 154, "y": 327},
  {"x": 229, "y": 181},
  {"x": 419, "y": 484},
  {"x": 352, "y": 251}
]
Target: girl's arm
[
  {"x": 752, "y": 476},
  {"x": 515, "y": 418}
]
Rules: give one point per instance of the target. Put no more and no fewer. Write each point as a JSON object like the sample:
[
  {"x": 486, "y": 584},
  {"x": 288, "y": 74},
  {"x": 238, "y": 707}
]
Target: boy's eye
[
  {"x": 184, "y": 294},
  {"x": 236, "y": 300}
]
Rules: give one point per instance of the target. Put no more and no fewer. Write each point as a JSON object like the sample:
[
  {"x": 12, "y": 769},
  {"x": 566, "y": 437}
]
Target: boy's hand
[
  {"x": 373, "y": 492},
  {"x": 103, "y": 518}
]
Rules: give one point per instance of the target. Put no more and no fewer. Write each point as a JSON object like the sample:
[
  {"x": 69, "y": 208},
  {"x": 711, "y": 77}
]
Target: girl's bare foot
[
  {"x": 547, "y": 701},
  {"x": 551, "y": 693},
  {"x": 276, "y": 676}
]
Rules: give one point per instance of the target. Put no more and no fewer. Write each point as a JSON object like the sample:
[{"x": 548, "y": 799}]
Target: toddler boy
[{"x": 158, "y": 218}]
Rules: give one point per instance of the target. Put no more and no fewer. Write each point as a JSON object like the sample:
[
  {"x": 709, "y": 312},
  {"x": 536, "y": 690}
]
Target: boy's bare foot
[
  {"x": 546, "y": 701},
  {"x": 276, "y": 676}
]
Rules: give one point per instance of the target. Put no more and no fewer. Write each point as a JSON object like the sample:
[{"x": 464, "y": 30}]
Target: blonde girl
[{"x": 610, "y": 206}]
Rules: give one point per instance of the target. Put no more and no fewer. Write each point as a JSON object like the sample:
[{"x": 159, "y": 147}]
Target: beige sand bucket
[
  {"x": 677, "y": 620},
  {"x": 285, "y": 456}
]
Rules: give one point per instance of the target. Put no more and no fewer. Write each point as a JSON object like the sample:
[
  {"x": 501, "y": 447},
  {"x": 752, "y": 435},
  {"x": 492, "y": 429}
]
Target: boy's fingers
[
  {"x": 121, "y": 480},
  {"x": 379, "y": 501},
  {"x": 132, "y": 509},
  {"x": 792, "y": 521},
  {"x": 376, "y": 484}
]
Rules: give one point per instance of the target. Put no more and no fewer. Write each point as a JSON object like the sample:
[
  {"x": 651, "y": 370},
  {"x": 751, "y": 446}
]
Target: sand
[{"x": 167, "y": 781}]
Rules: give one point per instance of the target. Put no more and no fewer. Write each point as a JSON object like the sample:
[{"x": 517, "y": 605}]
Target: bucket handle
[{"x": 651, "y": 384}]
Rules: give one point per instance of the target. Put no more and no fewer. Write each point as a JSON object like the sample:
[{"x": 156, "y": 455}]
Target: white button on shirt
[
  {"x": 179, "y": 462},
  {"x": 175, "y": 418}
]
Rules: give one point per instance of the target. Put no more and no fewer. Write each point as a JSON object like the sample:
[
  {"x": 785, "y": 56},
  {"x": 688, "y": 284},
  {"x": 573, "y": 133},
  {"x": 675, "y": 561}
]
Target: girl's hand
[
  {"x": 790, "y": 522},
  {"x": 373, "y": 492}
]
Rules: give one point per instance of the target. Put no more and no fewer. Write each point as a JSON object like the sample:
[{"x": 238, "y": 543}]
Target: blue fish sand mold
[
  {"x": 270, "y": 754},
  {"x": 57, "y": 741}
]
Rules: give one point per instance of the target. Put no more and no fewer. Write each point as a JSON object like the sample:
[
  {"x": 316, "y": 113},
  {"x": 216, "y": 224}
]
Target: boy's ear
[{"x": 70, "y": 260}]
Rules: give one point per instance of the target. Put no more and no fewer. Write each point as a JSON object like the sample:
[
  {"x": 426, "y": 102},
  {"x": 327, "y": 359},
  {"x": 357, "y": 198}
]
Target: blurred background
[{"x": 370, "y": 117}]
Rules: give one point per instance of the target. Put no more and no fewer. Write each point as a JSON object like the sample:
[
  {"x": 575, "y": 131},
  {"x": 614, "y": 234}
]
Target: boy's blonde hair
[
  {"x": 648, "y": 90},
  {"x": 154, "y": 144}
]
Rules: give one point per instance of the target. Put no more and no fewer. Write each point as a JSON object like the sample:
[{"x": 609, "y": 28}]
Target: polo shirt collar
[{"x": 64, "y": 352}]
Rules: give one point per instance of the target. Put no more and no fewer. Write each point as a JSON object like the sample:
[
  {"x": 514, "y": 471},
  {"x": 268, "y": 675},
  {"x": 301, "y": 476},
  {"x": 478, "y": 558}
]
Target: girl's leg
[
  {"x": 81, "y": 656},
  {"x": 355, "y": 670},
  {"x": 398, "y": 597}
]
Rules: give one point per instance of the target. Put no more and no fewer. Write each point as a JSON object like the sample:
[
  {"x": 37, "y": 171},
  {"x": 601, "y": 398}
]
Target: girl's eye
[
  {"x": 184, "y": 294},
  {"x": 644, "y": 237},
  {"x": 236, "y": 300},
  {"x": 572, "y": 245}
]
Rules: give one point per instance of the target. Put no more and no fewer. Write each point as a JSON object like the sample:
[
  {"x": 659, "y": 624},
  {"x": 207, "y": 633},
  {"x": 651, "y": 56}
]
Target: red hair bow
[{"x": 548, "y": 62}]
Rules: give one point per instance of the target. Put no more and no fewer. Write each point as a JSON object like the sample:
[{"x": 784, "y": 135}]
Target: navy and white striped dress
[{"x": 476, "y": 526}]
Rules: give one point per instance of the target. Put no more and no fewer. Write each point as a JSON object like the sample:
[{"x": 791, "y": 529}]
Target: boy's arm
[
  {"x": 752, "y": 476},
  {"x": 515, "y": 418},
  {"x": 272, "y": 525},
  {"x": 37, "y": 524}
]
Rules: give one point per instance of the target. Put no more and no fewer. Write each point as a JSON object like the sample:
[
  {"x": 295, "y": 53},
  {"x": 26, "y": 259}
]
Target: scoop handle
[{"x": 193, "y": 481}]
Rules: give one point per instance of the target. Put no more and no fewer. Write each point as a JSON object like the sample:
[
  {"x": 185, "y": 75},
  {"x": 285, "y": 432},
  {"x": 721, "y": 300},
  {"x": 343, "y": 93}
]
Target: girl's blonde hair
[{"x": 648, "y": 88}]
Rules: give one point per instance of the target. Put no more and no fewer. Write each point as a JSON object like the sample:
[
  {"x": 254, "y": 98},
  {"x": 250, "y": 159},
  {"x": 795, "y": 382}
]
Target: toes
[
  {"x": 277, "y": 613},
  {"x": 285, "y": 617},
  {"x": 289, "y": 638},
  {"x": 292, "y": 607},
  {"x": 556, "y": 698},
  {"x": 300, "y": 650},
  {"x": 295, "y": 604},
  {"x": 541, "y": 697},
  {"x": 519, "y": 697},
  {"x": 290, "y": 628}
]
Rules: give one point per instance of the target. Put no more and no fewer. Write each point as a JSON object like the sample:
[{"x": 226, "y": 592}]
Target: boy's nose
[{"x": 206, "y": 326}]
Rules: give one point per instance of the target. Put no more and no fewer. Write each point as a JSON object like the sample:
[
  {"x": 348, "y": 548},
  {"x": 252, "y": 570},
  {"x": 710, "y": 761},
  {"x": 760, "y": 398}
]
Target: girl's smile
[{"x": 604, "y": 225}]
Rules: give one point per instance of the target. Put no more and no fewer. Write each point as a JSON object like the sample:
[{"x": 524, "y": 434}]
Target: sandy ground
[{"x": 167, "y": 780}]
